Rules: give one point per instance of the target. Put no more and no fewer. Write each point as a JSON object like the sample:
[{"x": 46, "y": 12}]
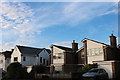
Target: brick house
[
  {"x": 97, "y": 51},
  {"x": 91, "y": 52}
]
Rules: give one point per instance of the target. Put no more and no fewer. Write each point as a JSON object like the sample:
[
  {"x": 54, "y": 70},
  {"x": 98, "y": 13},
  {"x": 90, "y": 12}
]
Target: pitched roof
[
  {"x": 80, "y": 49},
  {"x": 94, "y": 41},
  {"x": 29, "y": 50},
  {"x": 48, "y": 50},
  {"x": 63, "y": 48},
  {"x": 7, "y": 54}
]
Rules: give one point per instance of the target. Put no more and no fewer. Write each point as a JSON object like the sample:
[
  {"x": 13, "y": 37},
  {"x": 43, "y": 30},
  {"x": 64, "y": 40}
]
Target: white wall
[
  {"x": 93, "y": 45},
  {"x": 2, "y": 64},
  {"x": 7, "y": 62},
  {"x": 30, "y": 60},
  {"x": 45, "y": 55},
  {"x": 58, "y": 62},
  {"x": 16, "y": 53},
  {"x": 29, "y": 68},
  {"x": 95, "y": 58}
]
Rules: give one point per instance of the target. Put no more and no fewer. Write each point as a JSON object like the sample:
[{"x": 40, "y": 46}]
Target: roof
[
  {"x": 94, "y": 41},
  {"x": 29, "y": 50},
  {"x": 63, "y": 48},
  {"x": 7, "y": 54},
  {"x": 80, "y": 49},
  {"x": 48, "y": 50}
]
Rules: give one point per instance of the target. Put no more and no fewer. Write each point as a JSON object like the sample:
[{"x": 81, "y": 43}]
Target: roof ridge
[
  {"x": 62, "y": 46},
  {"x": 28, "y": 47},
  {"x": 30, "y": 50},
  {"x": 93, "y": 40}
]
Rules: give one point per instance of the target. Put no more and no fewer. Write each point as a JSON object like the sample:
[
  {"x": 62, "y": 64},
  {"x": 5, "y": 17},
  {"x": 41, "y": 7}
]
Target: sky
[{"x": 41, "y": 24}]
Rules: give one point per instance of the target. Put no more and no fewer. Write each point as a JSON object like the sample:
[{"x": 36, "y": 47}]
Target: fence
[{"x": 53, "y": 75}]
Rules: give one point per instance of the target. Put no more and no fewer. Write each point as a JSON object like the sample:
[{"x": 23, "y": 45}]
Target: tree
[
  {"x": 16, "y": 71},
  {"x": 38, "y": 69}
]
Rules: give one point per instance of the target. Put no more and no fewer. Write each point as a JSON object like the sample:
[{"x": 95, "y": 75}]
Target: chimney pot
[{"x": 113, "y": 42}]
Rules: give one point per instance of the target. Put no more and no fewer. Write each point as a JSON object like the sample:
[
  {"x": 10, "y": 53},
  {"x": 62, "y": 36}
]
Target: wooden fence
[{"x": 53, "y": 75}]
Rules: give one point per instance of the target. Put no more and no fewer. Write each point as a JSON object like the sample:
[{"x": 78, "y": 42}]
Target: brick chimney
[
  {"x": 74, "y": 46},
  {"x": 113, "y": 42}
]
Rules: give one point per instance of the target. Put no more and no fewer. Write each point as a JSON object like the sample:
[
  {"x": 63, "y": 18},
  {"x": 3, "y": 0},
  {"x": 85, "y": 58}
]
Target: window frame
[
  {"x": 24, "y": 58},
  {"x": 15, "y": 59}
]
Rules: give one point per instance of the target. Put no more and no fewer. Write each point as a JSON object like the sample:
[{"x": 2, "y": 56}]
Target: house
[
  {"x": 97, "y": 51},
  {"x": 57, "y": 56},
  {"x": 64, "y": 58},
  {"x": 106, "y": 56},
  {"x": 5, "y": 59},
  {"x": 29, "y": 56}
]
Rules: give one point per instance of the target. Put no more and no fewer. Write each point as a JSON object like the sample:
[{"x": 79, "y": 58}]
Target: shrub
[
  {"x": 15, "y": 71},
  {"x": 39, "y": 69},
  {"x": 87, "y": 67}
]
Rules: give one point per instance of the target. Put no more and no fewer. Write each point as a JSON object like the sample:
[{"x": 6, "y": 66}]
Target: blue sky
[{"x": 41, "y": 24}]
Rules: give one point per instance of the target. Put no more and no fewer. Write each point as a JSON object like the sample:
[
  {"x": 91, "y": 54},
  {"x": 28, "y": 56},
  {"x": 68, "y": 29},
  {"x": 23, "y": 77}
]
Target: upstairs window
[
  {"x": 95, "y": 51},
  {"x": 24, "y": 58},
  {"x": 54, "y": 57},
  {"x": 15, "y": 58},
  {"x": 59, "y": 57},
  {"x": 1, "y": 61}
]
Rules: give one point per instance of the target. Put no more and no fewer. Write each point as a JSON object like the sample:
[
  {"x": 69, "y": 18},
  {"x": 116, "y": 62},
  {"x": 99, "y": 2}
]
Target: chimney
[
  {"x": 113, "y": 42},
  {"x": 74, "y": 46}
]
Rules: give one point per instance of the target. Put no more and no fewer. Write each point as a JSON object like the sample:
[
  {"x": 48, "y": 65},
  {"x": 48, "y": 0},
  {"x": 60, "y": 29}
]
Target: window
[
  {"x": 54, "y": 57},
  {"x": 100, "y": 50},
  {"x": 59, "y": 53},
  {"x": 59, "y": 57},
  {"x": 43, "y": 61},
  {"x": 47, "y": 62},
  {"x": 24, "y": 58},
  {"x": 82, "y": 55},
  {"x": 15, "y": 58},
  {"x": 40, "y": 59},
  {"x": 94, "y": 51},
  {"x": 1, "y": 61}
]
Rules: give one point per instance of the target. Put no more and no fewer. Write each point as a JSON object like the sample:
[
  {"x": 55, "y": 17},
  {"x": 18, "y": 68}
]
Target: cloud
[
  {"x": 115, "y": 11},
  {"x": 70, "y": 14},
  {"x": 22, "y": 23},
  {"x": 63, "y": 43},
  {"x": 16, "y": 25},
  {"x": 14, "y": 14}
]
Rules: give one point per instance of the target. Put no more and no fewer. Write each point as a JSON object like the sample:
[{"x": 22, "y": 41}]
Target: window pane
[
  {"x": 24, "y": 58},
  {"x": 59, "y": 57},
  {"x": 40, "y": 59},
  {"x": 43, "y": 61},
  {"x": 15, "y": 58},
  {"x": 54, "y": 57}
]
